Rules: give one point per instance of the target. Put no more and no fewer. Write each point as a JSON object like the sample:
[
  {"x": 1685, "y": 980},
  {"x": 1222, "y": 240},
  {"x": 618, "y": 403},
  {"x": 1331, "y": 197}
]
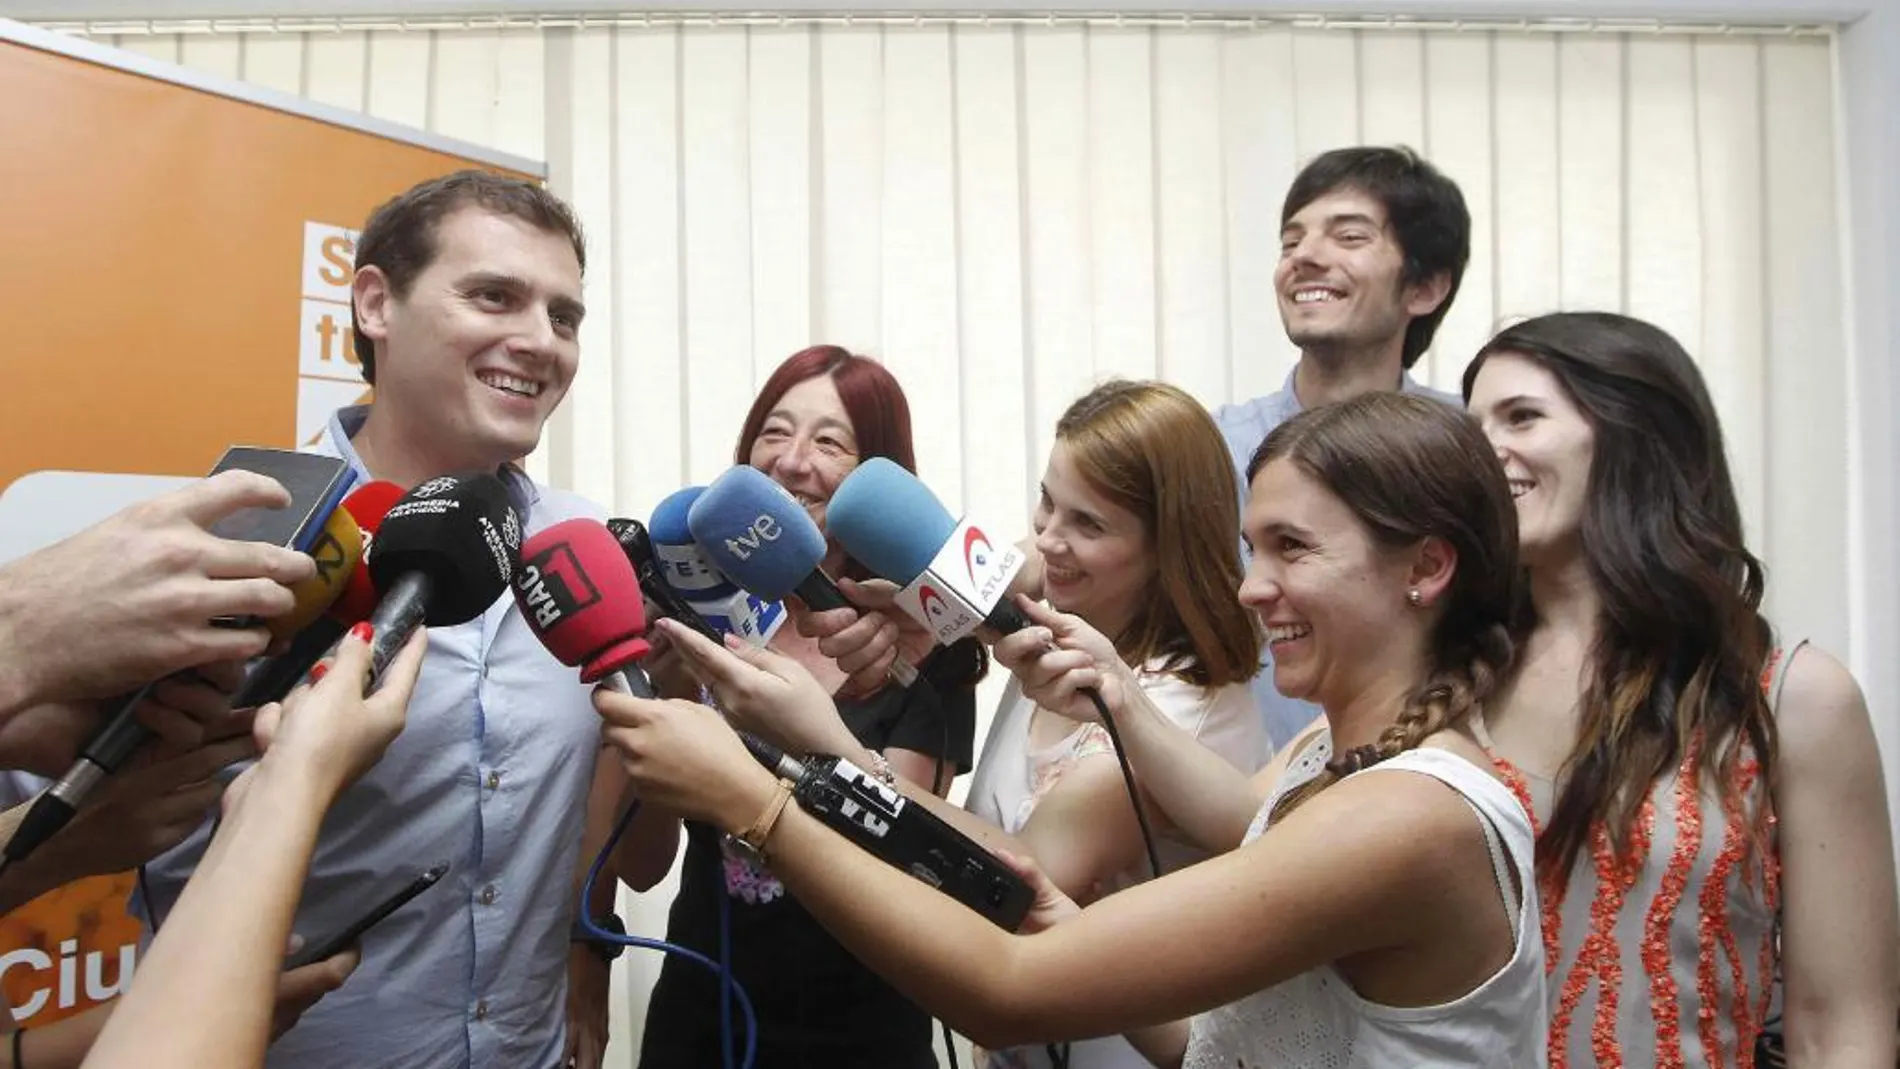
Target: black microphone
[
  {"x": 899, "y": 832},
  {"x": 442, "y": 556},
  {"x": 638, "y": 546}
]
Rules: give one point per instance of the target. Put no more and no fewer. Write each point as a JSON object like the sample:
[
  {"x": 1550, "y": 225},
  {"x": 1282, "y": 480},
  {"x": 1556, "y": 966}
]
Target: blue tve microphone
[
  {"x": 954, "y": 578},
  {"x": 683, "y": 567},
  {"x": 757, "y": 534},
  {"x": 760, "y": 537}
]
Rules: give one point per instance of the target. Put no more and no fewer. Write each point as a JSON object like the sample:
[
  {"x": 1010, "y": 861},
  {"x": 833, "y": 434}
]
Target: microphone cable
[{"x": 729, "y": 988}]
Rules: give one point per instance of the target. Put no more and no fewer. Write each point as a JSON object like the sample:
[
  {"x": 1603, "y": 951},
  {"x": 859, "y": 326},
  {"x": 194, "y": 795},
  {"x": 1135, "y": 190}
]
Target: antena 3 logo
[{"x": 551, "y": 586}]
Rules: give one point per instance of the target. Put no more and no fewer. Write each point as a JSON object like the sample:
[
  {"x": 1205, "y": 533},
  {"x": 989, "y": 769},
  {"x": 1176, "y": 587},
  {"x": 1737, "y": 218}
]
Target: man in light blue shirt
[
  {"x": 467, "y": 313},
  {"x": 1373, "y": 243}
]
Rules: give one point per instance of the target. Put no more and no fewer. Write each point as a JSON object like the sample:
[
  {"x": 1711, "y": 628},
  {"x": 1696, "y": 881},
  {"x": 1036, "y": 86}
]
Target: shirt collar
[
  {"x": 347, "y": 421},
  {"x": 1407, "y": 384}
]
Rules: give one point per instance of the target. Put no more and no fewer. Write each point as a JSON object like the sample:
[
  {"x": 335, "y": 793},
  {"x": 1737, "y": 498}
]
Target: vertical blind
[{"x": 1006, "y": 213}]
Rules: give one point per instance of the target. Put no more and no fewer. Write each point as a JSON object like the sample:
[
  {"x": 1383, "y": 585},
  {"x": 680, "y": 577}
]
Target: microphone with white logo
[
  {"x": 954, "y": 578},
  {"x": 581, "y": 598},
  {"x": 442, "y": 556},
  {"x": 684, "y": 568},
  {"x": 758, "y": 535}
]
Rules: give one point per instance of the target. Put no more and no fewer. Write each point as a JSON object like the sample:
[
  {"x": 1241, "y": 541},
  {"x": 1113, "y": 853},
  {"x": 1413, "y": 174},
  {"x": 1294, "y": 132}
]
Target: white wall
[{"x": 1006, "y": 214}]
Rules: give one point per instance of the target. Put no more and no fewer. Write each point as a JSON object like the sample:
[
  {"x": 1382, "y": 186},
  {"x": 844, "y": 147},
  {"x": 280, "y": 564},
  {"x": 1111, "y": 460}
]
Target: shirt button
[
  {"x": 481, "y": 1010},
  {"x": 488, "y": 895},
  {"x": 494, "y": 779}
]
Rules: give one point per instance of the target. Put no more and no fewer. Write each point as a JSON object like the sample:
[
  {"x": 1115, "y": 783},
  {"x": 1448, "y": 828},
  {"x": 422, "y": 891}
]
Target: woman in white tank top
[{"x": 1378, "y": 909}]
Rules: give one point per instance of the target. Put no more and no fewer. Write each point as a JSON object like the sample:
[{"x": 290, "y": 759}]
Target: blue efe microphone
[
  {"x": 684, "y": 568},
  {"x": 682, "y": 564},
  {"x": 954, "y": 579}
]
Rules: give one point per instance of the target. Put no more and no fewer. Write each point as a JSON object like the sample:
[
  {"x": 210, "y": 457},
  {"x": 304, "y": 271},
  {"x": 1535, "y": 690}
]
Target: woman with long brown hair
[{"x": 1697, "y": 781}]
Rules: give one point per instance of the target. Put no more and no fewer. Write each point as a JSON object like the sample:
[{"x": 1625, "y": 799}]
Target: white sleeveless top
[
  {"x": 1317, "y": 1021},
  {"x": 1012, "y": 777}
]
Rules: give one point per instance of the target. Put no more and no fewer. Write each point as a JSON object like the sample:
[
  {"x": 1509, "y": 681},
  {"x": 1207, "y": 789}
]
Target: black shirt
[{"x": 816, "y": 1005}]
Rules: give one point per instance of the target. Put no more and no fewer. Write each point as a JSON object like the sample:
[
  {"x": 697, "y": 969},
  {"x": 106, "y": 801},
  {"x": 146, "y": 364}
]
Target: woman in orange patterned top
[{"x": 1708, "y": 802}]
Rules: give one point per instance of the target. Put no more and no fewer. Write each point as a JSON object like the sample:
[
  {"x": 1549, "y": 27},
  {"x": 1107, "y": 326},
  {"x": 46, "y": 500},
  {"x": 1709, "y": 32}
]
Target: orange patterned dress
[{"x": 1664, "y": 956}]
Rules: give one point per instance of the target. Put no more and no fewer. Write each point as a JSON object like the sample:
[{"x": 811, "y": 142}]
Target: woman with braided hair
[
  {"x": 1697, "y": 782},
  {"x": 1371, "y": 910}
]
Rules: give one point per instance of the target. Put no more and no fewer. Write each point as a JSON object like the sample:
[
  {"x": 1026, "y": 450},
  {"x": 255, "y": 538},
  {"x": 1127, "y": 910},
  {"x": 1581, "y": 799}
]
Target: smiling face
[
  {"x": 1339, "y": 277},
  {"x": 481, "y": 349},
  {"x": 1546, "y": 446},
  {"x": 1331, "y": 599},
  {"x": 807, "y": 444},
  {"x": 1096, "y": 558}
]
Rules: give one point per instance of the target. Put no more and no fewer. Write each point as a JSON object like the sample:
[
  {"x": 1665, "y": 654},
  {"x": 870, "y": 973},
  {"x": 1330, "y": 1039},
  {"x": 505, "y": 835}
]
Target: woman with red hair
[{"x": 821, "y": 413}]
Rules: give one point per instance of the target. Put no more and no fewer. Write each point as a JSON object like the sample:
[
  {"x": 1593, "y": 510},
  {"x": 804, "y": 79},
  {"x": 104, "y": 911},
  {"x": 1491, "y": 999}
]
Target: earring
[{"x": 1415, "y": 597}]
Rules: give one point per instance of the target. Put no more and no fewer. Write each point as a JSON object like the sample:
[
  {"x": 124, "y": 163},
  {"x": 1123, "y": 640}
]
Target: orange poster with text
[{"x": 176, "y": 280}]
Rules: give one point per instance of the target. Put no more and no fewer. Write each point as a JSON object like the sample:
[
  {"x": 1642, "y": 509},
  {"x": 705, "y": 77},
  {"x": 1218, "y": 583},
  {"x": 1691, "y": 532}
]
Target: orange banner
[{"x": 175, "y": 280}]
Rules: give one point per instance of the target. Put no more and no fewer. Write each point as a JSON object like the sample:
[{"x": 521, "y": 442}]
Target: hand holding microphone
[
  {"x": 956, "y": 581},
  {"x": 131, "y": 599},
  {"x": 868, "y": 638},
  {"x": 764, "y": 692},
  {"x": 1059, "y": 658},
  {"x": 330, "y": 733}
]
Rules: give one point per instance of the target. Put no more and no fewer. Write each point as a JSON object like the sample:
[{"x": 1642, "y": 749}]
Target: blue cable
[
  {"x": 723, "y": 967},
  {"x": 725, "y": 989}
]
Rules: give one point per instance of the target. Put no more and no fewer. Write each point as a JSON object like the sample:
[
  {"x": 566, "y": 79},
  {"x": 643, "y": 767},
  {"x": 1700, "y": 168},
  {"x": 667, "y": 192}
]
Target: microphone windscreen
[
  {"x": 337, "y": 550},
  {"x": 580, "y": 596},
  {"x": 683, "y": 565},
  {"x": 669, "y": 523},
  {"x": 367, "y": 505},
  {"x": 461, "y": 532},
  {"x": 888, "y": 520},
  {"x": 756, "y": 533}
]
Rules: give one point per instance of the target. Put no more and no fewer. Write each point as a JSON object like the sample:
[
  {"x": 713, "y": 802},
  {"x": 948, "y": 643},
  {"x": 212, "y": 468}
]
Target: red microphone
[
  {"x": 270, "y": 679},
  {"x": 581, "y": 598},
  {"x": 367, "y": 504}
]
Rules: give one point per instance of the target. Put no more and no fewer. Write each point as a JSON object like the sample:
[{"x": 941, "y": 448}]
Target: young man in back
[{"x": 1373, "y": 244}]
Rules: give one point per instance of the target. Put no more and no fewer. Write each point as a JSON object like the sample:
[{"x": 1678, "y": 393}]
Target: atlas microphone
[
  {"x": 638, "y": 547},
  {"x": 757, "y": 534},
  {"x": 442, "y": 556},
  {"x": 900, "y": 833},
  {"x": 954, "y": 579},
  {"x": 581, "y": 598},
  {"x": 684, "y": 568}
]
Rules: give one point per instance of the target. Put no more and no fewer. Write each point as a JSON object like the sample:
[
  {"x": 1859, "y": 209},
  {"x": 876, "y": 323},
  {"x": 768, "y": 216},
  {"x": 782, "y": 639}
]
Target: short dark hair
[
  {"x": 399, "y": 238},
  {"x": 1425, "y": 209}
]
